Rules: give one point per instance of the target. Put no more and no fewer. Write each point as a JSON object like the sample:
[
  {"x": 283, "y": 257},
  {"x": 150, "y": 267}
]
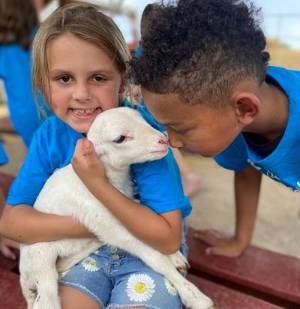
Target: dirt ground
[{"x": 278, "y": 222}]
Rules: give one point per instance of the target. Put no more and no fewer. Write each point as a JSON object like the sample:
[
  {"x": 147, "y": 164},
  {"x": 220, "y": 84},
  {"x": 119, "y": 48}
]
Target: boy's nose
[
  {"x": 81, "y": 93},
  {"x": 174, "y": 140}
]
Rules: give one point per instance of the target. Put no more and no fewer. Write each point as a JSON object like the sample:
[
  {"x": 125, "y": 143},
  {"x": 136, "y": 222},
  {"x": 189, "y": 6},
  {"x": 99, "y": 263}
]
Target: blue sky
[{"x": 281, "y": 19}]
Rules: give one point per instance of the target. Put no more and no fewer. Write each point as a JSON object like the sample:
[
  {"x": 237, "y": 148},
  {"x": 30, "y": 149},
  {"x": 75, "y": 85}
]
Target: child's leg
[
  {"x": 86, "y": 285},
  {"x": 136, "y": 285},
  {"x": 72, "y": 298}
]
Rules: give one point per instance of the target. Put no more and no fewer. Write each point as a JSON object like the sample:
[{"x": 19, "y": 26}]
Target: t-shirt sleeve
[
  {"x": 159, "y": 185},
  {"x": 33, "y": 174},
  {"x": 235, "y": 156}
]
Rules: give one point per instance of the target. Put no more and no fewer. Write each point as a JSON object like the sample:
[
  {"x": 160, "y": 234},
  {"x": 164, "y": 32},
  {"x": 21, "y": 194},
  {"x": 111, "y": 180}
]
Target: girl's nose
[
  {"x": 81, "y": 93},
  {"x": 174, "y": 140}
]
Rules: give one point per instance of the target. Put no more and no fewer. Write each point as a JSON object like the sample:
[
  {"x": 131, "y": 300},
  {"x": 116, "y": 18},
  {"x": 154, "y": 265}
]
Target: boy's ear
[{"x": 246, "y": 106}]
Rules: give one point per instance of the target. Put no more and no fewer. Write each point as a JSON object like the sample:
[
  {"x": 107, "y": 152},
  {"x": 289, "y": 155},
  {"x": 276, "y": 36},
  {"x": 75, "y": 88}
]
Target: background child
[
  {"x": 207, "y": 80},
  {"x": 18, "y": 22},
  {"x": 79, "y": 59}
]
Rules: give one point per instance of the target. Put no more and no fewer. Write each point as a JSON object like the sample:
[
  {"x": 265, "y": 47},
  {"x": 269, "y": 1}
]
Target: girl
[{"x": 79, "y": 61}]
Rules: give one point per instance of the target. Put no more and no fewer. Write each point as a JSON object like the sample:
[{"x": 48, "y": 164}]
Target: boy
[{"x": 204, "y": 75}]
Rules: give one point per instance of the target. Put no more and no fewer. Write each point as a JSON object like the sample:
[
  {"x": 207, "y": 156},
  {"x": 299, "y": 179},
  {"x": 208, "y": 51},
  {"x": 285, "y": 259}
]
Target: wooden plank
[
  {"x": 8, "y": 264},
  {"x": 226, "y": 298},
  {"x": 10, "y": 291},
  {"x": 259, "y": 270}
]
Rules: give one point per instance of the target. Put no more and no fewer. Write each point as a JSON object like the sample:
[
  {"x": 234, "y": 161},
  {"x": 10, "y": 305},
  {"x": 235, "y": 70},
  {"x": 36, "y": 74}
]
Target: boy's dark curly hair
[
  {"x": 18, "y": 18},
  {"x": 200, "y": 49}
]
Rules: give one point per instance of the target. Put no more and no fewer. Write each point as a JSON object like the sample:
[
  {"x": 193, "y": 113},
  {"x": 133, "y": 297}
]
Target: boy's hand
[
  {"x": 86, "y": 163},
  {"x": 221, "y": 245},
  {"x": 8, "y": 248}
]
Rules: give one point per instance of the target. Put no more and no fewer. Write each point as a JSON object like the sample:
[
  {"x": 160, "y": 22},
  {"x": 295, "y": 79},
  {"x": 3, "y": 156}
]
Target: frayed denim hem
[
  {"x": 115, "y": 306},
  {"x": 84, "y": 290}
]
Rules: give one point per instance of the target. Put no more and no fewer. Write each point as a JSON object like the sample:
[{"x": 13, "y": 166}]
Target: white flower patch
[
  {"x": 140, "y": 287},
  {"x": 170, "y": 287},
  {"x": 90, "y": 264}
]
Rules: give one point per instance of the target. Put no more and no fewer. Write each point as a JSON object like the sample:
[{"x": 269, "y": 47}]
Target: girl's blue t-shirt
[
  {"x": 158, "y": 183},
  {"x": 3, "y": 156}
]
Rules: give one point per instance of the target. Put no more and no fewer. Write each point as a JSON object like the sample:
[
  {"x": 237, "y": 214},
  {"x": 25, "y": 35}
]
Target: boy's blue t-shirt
[
  {"x": 158, "y": 182},
  {"x": 283, "y": 164},
  {"x": 15, "y": 71}
]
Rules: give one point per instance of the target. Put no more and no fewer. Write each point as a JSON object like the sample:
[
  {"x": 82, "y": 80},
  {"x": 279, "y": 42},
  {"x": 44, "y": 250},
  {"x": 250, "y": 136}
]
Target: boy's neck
[{"x": 272, "y": 117}]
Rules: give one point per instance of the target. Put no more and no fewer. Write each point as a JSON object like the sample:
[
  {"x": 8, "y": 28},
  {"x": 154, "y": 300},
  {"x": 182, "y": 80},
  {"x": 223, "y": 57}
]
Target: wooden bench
[
  {"x": 260, "y": 279},
  {"x": 260, "y": 274}
]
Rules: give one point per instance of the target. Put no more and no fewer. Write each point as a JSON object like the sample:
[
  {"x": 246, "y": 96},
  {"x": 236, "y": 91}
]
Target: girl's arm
[
  {"x": 161, "y": 231},
  {"x": 25, "y": 224}
]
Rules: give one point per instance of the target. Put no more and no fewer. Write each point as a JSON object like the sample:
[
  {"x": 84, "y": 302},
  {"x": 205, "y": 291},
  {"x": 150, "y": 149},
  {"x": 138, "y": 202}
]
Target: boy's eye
[
  {"x": 120, "y": 139},
  {"x": 99, "y": 78}
]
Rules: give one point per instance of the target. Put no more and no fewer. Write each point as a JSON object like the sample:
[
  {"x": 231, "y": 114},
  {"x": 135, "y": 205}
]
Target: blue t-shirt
[
  {"x": 3, "y": 156},
  {"x": 158, "y": 182},
  {"x": 283, "y": 164},
  {"x": 15, "y": 71}
]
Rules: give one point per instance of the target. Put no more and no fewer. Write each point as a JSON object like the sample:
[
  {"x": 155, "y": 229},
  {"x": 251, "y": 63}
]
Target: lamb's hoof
[{"x": 179, "y": 261}]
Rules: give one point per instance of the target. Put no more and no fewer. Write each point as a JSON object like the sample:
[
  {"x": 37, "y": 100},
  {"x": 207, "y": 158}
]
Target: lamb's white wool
[{"x": 121, "y": 137}]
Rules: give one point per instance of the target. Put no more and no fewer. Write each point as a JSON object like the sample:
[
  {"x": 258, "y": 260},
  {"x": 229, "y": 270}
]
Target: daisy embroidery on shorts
[
  {"x": 170, "y": 287},
  {"x": 140, "y": 287},
  {"x": 90, "y": 264}
]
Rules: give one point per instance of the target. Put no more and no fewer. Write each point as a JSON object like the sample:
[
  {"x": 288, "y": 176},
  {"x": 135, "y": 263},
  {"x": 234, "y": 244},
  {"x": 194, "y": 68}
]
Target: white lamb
[{"x": 65, "y": 194}]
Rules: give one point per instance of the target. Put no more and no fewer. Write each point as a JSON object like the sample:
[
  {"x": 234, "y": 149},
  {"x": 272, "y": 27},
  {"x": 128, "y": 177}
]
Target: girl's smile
[{"x": 83, "y": 80}]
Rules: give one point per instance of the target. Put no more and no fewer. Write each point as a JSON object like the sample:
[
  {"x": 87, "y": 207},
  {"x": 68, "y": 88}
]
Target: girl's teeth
[{"x": 84, "y": 111}]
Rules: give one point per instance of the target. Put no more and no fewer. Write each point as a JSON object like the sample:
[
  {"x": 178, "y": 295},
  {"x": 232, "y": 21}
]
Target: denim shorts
[{"x": 115, "y": 279}]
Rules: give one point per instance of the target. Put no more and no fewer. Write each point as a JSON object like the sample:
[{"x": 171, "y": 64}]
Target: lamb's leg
[
  {"x": 47, "y": 288},
  {"x": 65, "y": 263},
  {"x": 190, "y": 295},
  {"x": 41, "y": 273},
  {"x": 28, "y": 291},
  {"x": 179, "y": 261}
]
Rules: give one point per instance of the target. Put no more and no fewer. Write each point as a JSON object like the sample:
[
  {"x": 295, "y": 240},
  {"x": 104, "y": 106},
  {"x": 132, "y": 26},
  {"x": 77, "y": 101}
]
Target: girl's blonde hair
[{"x": 85, "y": 21}]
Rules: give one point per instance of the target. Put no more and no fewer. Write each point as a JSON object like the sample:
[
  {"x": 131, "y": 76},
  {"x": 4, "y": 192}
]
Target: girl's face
[{"x": 83, "y": 81}]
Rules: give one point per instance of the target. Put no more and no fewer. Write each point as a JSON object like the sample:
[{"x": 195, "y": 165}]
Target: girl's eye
[
  {"x": 120, "y": 139},
  {"x": 64, "y": 79}
]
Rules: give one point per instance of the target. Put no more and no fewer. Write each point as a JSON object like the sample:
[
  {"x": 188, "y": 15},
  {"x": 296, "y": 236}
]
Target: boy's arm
[
  {"x": 162, "y": 232},
  {"x": 247, "y": 188},
  {"x": 25, "y": 224}
]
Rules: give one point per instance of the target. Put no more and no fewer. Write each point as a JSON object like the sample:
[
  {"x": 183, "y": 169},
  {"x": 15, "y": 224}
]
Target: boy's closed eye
[{"x": 99, "y": 78}]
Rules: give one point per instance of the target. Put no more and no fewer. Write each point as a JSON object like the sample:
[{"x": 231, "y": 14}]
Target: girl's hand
[
  {"x": 86, "y": 164},
  {"x": 220, "y": 244},
  {"x": 8, "y": 248}
]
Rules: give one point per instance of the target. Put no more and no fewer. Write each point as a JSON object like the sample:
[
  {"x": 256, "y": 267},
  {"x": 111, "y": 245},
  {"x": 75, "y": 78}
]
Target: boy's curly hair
[
  {"x": 18, "y": 18},
  {"x": 200, "y": 49}
]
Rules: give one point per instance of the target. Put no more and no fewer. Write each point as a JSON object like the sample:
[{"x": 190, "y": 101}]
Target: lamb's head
[{"x": 121, "y": 137}]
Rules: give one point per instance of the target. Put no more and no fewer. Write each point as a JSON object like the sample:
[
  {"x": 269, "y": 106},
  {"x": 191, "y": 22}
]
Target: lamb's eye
[{"x": 120, "y": 139}]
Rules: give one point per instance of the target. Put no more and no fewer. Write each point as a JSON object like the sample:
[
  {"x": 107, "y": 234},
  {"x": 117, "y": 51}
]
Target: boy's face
[
  {"x": 83, "y": 81},
  {"x": 196, "y": 128}
]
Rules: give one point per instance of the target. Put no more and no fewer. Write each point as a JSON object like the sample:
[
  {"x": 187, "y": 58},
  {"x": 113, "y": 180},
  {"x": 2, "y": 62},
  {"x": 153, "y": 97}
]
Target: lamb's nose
[{"x": 163, "y": 141}]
